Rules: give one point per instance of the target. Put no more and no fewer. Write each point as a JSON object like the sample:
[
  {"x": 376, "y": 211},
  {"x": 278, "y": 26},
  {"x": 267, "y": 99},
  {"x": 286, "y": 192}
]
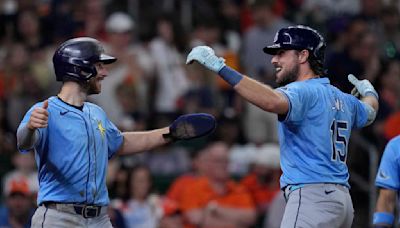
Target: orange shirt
[
  {"x": 180, "y": 184},
  {"x": 262, "y": 194},
  {"x": 391, "y": 126},
  {"x": 201, "y": 193}
]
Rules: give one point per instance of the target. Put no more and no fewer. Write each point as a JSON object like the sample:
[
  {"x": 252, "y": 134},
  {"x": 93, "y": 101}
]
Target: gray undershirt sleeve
[{"x": 26, "y": 138}]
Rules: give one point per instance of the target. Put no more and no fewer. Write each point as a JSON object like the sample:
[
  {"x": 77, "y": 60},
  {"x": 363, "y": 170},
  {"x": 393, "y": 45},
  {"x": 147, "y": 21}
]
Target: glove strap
[{"x": 230, "y": 75}]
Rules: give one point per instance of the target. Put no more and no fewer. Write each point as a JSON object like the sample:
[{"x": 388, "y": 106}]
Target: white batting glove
[
  {"x": 206, "y": 56},
  {"x": 362, "y": 87}
]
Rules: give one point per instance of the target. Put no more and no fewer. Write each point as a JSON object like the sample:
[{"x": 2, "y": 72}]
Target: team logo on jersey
[
  {"x": 382, "y": 175},
  {"x": 101, "y": 128}
]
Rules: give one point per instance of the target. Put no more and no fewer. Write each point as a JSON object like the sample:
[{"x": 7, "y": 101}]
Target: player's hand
[
  {"x": 206, "y": 56},
  {"x": 362, "y": 87},
  {"x": 39, "y": 117},
  {"x": 191, "y": 126}
]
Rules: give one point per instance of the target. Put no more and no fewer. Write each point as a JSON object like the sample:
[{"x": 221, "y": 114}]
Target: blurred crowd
[{"x": 230, "y": 179}]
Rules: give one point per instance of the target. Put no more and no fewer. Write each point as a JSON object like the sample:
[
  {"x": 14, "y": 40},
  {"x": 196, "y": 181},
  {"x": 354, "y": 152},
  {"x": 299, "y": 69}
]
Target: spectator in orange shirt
[
  {"x": 173, "y": 198},
  {"x": 215, "y": 200},
  {"x": 263, "y": 179}
]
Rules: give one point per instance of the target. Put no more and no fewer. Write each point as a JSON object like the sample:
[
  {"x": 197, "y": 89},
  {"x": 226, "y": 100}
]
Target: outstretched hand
[
  {"x": 191, "y": 126},
  {"x": 362, "y": 87},
  {"x": 206, "y": 57},
  {"x": 39, "y": 117}
]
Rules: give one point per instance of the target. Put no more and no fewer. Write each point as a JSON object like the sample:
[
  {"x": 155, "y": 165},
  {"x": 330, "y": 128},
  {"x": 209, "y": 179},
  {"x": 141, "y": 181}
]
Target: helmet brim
[
  {"x": 107, "y": 59},
  {"x": 272, "y": 49}
]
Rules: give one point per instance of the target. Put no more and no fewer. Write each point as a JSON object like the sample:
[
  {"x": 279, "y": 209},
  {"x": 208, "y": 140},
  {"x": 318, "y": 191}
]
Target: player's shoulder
[
  {"x": 94, "y": 107},
  {"x": 395, "y": 142}
]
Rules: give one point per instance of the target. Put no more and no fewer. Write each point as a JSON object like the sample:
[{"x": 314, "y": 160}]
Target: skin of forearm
[
  {"x": 135, "y": 142},
  {"x": 371, "y": 100},
  {"x": 386, "y": 201},
  {"x": 261, "y": 95}
]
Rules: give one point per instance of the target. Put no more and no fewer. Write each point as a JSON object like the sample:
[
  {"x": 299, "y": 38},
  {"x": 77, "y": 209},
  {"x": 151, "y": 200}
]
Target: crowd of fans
[{"x": 234, "y": 174}]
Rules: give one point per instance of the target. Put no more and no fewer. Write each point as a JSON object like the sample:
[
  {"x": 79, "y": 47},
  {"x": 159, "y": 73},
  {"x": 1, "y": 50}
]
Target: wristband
[
  {"x": 383, "y": 218},
  {"x": 372, "y": 93},
  {"x": 230, "y": 75}
]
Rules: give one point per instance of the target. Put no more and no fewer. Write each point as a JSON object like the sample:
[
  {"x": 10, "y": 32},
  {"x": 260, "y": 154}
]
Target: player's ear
[{"x": 303, "y": 56}]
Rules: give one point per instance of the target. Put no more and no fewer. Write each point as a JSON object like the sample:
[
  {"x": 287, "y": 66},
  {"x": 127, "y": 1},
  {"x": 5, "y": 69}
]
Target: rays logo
[{"x": 101, "y": 128}]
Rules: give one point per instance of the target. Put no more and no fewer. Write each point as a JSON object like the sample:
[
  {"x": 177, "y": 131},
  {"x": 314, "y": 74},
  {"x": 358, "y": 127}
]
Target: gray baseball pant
[
  {"x": 318, "y": 206},
  {"x": 48, "y": 217}
]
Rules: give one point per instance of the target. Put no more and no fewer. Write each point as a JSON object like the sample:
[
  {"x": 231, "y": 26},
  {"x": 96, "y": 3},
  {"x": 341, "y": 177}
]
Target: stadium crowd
[{"x": 230, "y": 179}]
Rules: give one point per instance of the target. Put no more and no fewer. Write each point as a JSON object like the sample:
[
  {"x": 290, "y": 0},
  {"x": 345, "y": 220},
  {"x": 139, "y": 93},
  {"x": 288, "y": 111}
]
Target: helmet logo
[{"x": 288, "y": 37}]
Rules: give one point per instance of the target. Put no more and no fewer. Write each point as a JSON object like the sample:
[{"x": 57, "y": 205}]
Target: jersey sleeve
[
  {"x": 299, "y": 99},
  {"x": 388, "y": 175},
  {"x": 41, "y": 131},
  {"x": 360, "y": 112},
  {"x": 114, "y": 138}
]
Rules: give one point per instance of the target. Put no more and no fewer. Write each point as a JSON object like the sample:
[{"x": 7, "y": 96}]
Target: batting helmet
[
  {"x": 75, "y": 58},
  {"x": 298, "y": 37}
]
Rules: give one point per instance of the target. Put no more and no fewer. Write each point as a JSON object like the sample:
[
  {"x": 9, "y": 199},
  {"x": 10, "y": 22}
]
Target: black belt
[{"x": 86, "y": 211}]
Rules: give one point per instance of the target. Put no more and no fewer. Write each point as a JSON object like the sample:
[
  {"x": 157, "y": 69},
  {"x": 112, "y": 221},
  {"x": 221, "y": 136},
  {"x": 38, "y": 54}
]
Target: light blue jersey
[
  {"x": 389, "y": 170},
  {"x": 72, "y": 153},
  {"x": 314, "y": 135}
]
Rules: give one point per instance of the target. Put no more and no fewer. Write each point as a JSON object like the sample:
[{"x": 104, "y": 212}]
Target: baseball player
[
  {"x": 388, "y": 182},
  {"x": 73, "y": 139},
  {"x": 315, "y": 122}
]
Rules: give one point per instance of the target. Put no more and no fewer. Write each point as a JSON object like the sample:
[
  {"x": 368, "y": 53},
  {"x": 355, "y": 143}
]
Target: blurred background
[{"x": 150, "y": 85}]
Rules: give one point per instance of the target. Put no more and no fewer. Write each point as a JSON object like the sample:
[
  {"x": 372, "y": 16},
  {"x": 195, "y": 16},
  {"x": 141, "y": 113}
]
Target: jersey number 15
[{"x": 339, "y": 141}]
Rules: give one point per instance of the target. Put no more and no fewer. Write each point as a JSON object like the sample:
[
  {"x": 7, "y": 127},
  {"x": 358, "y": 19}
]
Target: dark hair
[{"x": 317, "y": 67}]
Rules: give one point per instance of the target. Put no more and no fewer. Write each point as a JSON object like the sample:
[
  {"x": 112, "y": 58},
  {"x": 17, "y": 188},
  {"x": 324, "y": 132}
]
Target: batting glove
[
  {"x": 362, "y": 87},
  {"x": 191, "y": 126},
  {"x": 206, "y": 56}
]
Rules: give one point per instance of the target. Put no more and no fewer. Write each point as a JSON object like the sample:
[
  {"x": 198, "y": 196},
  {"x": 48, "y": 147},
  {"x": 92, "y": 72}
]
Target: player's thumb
[
  {"x": 45, "y": 104},
  {"x": 352, "y": 79}
]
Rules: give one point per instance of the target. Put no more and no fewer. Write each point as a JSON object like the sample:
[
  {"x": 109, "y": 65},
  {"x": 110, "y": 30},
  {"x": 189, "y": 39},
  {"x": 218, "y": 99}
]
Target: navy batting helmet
[
  {"x": 298, "y": 37},
  {"x": 75, "y": 58}
]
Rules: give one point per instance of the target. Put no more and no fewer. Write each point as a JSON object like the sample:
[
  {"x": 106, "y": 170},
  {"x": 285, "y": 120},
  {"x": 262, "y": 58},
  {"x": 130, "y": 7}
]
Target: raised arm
[
  {"x": 368, "y": 95},
  {"x": 28, "y": 134},
  {"x": 253, "y": 91}
]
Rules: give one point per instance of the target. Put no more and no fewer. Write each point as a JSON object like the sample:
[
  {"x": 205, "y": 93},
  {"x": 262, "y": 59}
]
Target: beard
[
  {"x": 290, "y": 76},
  {"x": 92, "y": 86}
]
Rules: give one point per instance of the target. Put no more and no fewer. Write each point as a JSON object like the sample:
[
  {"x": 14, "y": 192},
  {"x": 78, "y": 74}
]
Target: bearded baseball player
[
  {"x": 315, "y": 122},
  {"x": 73, "y": 139}
]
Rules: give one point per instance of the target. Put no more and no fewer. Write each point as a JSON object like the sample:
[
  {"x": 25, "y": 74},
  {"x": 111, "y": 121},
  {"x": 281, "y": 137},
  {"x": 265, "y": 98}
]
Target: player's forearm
[
  {"x": 383, "y": 216},
  {"x": 372, "y": 101},
  {"x": 135, "y": 142},
  {"x": 262, "y": 96},
  {"x": 386, "y": 201},
  {"x": 26, "y": 138}
]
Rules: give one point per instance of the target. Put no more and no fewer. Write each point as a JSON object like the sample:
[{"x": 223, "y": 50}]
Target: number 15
[{"x": 339, "y": 140}]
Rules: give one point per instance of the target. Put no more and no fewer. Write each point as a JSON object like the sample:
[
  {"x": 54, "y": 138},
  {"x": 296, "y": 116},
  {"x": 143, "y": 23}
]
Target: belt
[{"x": 86, "y": 211}]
